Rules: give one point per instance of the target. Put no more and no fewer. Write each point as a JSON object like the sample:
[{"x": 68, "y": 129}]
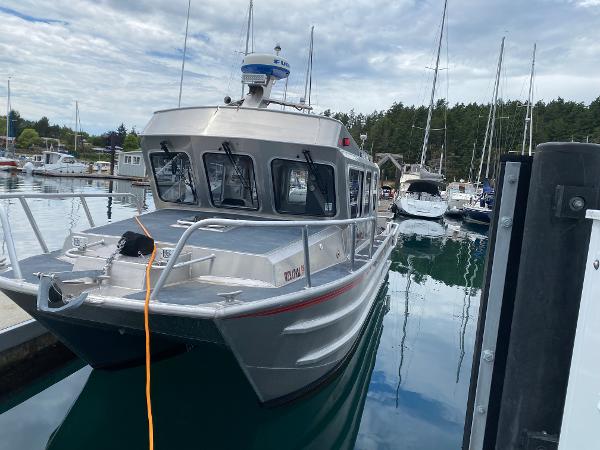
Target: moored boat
[
  {"x": 266, "y": 242},
  {"x": 58, "y": 163},
  {"x": 458, "y": 194},
  {"x": 479, "y": 211},
  {"x": 422, "y": 198}
]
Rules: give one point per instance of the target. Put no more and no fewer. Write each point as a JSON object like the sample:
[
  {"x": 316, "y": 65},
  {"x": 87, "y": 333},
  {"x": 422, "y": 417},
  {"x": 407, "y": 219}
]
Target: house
[{"x": 131, "y": 164}]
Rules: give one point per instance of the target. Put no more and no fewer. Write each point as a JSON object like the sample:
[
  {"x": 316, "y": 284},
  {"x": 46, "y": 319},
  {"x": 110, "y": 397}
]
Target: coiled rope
[{"x": 147, "y": 333}]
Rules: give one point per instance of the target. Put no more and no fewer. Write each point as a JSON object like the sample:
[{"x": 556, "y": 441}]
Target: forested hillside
[{"x": 400, "y": 129}]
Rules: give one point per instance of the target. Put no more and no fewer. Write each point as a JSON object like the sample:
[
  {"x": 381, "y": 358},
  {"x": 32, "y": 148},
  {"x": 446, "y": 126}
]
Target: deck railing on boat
[
  {"x": 302, "y": 224},
  {"x": 23, "y": 196}
]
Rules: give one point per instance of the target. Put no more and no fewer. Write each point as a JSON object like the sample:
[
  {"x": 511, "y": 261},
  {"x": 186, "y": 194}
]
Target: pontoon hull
[{"x": 283, "y": 351}]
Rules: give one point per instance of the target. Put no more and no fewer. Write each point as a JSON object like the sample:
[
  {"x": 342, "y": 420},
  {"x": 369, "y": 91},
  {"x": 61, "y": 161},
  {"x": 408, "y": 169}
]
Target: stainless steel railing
[
  {"x": 22, "y": 196},
  {"x": 302, "y": 224}
]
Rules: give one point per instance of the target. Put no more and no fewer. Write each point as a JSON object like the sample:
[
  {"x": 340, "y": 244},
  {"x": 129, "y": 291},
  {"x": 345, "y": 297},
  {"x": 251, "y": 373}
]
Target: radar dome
[{"x": 264, "y": 64}]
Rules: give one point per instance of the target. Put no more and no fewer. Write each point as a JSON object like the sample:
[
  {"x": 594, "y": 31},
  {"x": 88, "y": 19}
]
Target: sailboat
[
  {"x": 7, "y": 163},
  {"x": 420, "y": 187},
  {"x": 480, "y": 211}
]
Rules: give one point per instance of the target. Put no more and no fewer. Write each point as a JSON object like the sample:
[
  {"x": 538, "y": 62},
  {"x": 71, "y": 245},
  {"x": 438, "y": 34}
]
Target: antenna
[
  {"x": 309, "y": 65},
  {"x": 7, "y": 115},
  {"x": 76, "y": 119},
  {"x": 249, "y": 26},
  {"x": 363, "y": 138},
  {"x": 187, "y": 21}
]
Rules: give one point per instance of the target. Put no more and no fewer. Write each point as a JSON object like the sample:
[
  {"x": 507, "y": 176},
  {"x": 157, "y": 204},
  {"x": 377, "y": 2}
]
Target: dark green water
[{"x": 405, "y": 387}]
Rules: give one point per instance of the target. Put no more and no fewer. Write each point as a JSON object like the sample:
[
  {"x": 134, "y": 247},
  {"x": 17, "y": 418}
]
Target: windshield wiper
[
  {"x": 235, "y": 165},
  {"x": 313, "y": 171}
]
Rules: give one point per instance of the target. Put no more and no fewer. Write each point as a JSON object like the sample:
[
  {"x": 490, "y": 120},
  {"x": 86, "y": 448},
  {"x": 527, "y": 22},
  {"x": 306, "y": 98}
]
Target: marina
[
  {"x": 262, "y": 266},
  {"x": 382, "y": 387}
]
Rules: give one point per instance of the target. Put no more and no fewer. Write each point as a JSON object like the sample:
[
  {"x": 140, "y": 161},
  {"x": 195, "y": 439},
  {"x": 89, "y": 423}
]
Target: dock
[
  {"x": 27, "y": 349},
  {"x": 97, "y": 176}
]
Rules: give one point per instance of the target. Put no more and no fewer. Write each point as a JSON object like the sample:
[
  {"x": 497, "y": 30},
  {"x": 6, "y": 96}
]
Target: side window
[
  {"x": 173, "y": 176},
  {"x": 355, "y": 197},
  {"x": 231, "y": 182},
  {"x": 375, "y": 191},
  {"x": 300, "y": 188},
  {"x": 367, "y": 195}
]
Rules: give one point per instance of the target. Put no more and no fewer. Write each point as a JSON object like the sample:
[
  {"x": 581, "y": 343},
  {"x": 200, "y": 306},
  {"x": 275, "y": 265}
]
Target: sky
[{"x": 122, "y": 59}]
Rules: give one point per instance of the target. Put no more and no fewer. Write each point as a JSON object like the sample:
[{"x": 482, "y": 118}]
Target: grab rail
[
  {"x": 303, "y": 224},
  {"x": 22, "y": 196}
]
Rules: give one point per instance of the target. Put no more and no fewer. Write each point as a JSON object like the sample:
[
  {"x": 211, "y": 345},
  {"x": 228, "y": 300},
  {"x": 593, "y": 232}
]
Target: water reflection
[
  {"x": 417, "y": 397},
  {"x": 202, "y": 399}
]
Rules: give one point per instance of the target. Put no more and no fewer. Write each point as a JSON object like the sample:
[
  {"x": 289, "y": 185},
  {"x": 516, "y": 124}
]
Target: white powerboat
[
  {"x": 458, "y": 194},
  {"x": 59, "y": 163}
]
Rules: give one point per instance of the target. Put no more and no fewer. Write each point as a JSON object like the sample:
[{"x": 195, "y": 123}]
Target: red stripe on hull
[{"x": 313, "y": 301}]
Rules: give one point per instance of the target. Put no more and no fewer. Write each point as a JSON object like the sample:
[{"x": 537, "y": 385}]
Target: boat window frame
[
  {"x": 366, "y": 207},
  {"x": 360, "y": 171},
  {"x": 207, "y": 178},
  {"x": 301, "y": 161},
  {"x": 193, "y": 172},
  {"x": 375, "y": 191}
]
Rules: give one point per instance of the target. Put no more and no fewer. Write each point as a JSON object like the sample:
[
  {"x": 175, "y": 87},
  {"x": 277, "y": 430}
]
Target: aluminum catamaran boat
[{"x": 266, "y": 237}]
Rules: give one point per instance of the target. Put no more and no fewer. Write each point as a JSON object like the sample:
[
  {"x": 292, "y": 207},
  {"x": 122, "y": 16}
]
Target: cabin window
[
  {"x": 135, "y": 160},
  {"x": 375, "y": 187},
  {"x": 127, "y": 159},
  {"x": 173, "y": 176},
  {"x": 367, "y": 195},
  {"x": 355, "y": 181},
  {"x": 231, "y": 180},
  {"x": 303, "y": 189}
]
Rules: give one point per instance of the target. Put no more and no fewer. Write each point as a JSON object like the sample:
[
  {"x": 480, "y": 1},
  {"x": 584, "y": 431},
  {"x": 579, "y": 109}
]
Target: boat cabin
[
  {"x": 57, "y": 157},
  {"x": 301, "y": 165}
]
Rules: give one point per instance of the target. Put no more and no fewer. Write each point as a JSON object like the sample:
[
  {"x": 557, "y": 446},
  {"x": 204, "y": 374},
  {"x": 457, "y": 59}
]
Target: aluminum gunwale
[{"x": 216, "y": 310}]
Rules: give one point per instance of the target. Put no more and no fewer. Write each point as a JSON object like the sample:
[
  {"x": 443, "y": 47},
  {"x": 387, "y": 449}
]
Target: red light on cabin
[{"x": 346, "y": 142}]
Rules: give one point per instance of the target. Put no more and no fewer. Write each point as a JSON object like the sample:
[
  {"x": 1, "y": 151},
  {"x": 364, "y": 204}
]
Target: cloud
[{"x": 122, "y": 60}]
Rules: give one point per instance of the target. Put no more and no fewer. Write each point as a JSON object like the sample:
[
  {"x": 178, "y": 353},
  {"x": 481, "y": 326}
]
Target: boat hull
[
  {"x": 283, "y": 350},
  {"x": 426, "y": 209},
  {"x": 477, "y": 215}
]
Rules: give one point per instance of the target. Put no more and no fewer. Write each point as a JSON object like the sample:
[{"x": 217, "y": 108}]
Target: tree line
[
  {"x": 462, "y": 127},
  {"x": 30, "y": 133}
]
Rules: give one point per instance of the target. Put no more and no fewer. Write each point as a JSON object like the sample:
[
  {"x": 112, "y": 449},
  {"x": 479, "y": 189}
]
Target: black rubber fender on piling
[{"x": 551, "y": 271}]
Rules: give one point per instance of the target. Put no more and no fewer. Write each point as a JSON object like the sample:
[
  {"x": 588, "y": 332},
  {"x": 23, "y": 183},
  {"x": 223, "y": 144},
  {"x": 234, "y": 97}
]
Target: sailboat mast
[
  {"x": 435, "y": 75},
  {"x": 7, "y": 115},
  {"x": 76, "y": 120},
  {"x": 485, "y": 139},
  {"x": 494, "y": 106},
  {"x": 309, "y": 67},
  {"x": 529, "y": 110},
  {"x": 531, "y": 99},
  {"x": 187, "y": 22}
]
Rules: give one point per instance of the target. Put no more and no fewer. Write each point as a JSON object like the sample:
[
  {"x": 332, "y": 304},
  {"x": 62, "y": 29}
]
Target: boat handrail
[
  {"x": 303, "y": 224},
  {"x": 22, "y": 196}
]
